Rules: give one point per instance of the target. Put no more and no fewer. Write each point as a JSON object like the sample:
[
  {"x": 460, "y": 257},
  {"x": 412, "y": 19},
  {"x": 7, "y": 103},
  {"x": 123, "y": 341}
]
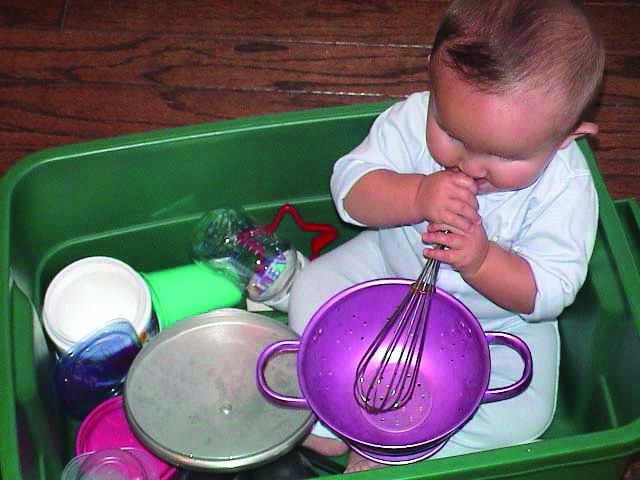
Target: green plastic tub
[
  {"x": 629, "y": 214},
  {"x": 136, "y": 198}
]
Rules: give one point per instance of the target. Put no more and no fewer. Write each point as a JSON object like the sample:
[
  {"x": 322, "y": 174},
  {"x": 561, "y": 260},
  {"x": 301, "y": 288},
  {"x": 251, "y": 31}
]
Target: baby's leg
[
  {"x": 353, "y": 262},
  {"x": 523, "y": 418}
]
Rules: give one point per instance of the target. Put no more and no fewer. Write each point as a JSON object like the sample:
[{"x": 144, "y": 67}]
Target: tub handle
[
  {"x": 278, "y": 398},
  {"x": 517, "y": 344}
]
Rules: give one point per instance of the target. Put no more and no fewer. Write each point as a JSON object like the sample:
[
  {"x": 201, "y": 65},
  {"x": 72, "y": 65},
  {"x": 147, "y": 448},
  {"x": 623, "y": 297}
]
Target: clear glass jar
[{"x": 230, "y": 242}]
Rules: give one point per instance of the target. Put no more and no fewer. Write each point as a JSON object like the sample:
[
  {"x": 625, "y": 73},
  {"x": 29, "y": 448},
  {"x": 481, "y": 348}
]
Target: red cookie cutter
[{"x": 327, "y": 233}]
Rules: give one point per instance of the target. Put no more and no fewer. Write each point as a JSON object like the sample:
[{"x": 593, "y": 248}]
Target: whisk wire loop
[{"x": 387, "y": 374}]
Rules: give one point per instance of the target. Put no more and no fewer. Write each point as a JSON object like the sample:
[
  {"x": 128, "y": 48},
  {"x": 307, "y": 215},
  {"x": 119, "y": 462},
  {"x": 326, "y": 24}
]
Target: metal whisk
[{"x": 387, "y": 374}]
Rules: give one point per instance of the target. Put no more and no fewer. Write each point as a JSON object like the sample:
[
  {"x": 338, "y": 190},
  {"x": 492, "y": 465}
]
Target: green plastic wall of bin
[
  {"x": 629, "y": 214},
  {"x": 136, "y": 198}
]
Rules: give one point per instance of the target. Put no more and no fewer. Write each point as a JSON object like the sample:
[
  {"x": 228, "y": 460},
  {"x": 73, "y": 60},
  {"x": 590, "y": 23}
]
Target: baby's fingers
[
  {"x": 461, "y": 216},
  {"x": 466, "y": 182},
  {"x": 438, "y": 227},
  {"x": 447, "y": 256},
  {"x": 440, "y": 237}
]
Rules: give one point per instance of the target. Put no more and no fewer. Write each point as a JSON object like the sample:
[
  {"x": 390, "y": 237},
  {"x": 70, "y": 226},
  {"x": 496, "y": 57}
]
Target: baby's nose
[{"x": 472, "y": 167}]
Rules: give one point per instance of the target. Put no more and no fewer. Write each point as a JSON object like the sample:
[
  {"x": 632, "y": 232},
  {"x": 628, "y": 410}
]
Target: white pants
[{"x": 509, "y": 422}]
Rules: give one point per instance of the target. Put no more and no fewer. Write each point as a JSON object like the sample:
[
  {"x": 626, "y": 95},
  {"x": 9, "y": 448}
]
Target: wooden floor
[
  {"x": 77, "y": 70},
  {"x": 74, "y": 70}
]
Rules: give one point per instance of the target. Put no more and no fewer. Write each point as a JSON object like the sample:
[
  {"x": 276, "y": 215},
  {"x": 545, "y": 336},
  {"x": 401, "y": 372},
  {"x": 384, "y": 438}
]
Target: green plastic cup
[{"x": 182, "y": 292}]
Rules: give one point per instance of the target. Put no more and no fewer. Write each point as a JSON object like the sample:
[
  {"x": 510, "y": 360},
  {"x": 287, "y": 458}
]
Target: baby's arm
[
  {"x": 547, "y": 263},
  {"x": 389, "y": 179},
  {"x": 500, "y": 275},
  {"x": 504, "y": 268},
  {"x": 383, "y": 198}
]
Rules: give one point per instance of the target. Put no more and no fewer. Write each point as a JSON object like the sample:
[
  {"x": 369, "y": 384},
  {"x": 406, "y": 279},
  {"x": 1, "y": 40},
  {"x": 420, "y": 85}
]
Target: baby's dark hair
[{"x": 506, "y": 46}]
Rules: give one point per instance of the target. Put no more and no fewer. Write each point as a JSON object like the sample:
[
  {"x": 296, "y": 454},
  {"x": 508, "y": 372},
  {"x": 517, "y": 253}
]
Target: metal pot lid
[{"x": 191, "y": 395}]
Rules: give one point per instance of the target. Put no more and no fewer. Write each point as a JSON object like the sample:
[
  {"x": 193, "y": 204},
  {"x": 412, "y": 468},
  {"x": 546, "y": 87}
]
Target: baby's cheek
[
  {"x": 437, "y": 148},
  {"x": 516, "y": 177}
]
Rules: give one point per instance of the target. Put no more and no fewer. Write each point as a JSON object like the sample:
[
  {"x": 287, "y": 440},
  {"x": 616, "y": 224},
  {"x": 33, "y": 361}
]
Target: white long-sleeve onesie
[{"x": 552, "y": 224}]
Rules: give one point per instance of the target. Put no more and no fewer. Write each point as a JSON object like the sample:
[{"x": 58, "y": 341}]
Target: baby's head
[{"x": 511, "y": 80}]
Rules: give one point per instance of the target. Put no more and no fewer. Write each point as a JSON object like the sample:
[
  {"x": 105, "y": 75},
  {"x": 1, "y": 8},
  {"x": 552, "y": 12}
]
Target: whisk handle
[
  {"x": 278, "y": 398},
  {"x": 521, "y": 348}
]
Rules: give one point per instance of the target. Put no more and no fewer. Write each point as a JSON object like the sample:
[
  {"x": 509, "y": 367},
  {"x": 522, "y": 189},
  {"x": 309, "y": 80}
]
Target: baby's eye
[
  {"x": 506, "y": 159},
  {"x": 454, "y": 139}
]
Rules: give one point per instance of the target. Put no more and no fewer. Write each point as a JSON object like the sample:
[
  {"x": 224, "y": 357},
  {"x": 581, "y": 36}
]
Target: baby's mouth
[
  {"x": 483, "y": 185},
  {"x": 480, "y": 181}
]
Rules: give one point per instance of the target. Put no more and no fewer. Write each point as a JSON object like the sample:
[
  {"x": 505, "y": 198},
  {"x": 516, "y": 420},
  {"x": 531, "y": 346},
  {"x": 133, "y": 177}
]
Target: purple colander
[{"x": 452, "y": 381}]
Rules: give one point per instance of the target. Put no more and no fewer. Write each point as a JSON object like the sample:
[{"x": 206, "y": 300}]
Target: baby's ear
[{"x": 585, "y": 128}]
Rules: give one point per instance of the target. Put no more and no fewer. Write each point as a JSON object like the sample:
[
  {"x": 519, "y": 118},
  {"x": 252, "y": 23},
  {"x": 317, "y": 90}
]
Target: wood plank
[
  {"x": 36, "y": 14},
  {"x": 405, "y": 23},
  {"x": 618, "y": 24},
  {"x": 401, "y": 23},
  {"x": 212, "y": 64},
  {"x": 622, "y": 77},
  {"x": 38, "y": 116},
  {"x": 184, "y": 62}
]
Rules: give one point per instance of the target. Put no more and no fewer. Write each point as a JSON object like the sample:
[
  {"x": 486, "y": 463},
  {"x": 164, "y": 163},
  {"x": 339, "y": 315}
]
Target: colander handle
[
  {"x": 521, "y": 348},
  {"x": 279, "y": 398}
]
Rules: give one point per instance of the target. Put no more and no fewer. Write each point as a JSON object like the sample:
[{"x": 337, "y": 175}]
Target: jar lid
[{"x": 96, "y": 367}]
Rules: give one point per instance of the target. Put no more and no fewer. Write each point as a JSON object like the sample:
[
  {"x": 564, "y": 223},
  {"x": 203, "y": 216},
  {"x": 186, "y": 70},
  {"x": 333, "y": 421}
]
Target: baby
[{"x": 488, "y": 155}]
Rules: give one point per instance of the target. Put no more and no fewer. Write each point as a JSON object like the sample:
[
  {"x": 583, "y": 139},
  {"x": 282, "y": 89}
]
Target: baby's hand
[
  {"x": 448, "y": 197},
  {"x": 466, "y": 251}
]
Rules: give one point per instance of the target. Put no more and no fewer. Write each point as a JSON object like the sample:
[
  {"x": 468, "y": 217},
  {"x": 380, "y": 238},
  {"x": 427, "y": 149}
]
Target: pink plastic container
[{"x": 107, "y": 427}]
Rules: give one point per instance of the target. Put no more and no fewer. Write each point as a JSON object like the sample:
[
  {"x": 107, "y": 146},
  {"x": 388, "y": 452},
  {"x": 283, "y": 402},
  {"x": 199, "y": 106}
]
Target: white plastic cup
[{"x": 91, "y": 292}]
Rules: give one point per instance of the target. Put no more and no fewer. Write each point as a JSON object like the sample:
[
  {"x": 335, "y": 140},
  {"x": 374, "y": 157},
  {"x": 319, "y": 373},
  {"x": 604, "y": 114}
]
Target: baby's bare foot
[
  {"x": 325, "y": 446},
  {"x": 358, "y": 463}
]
